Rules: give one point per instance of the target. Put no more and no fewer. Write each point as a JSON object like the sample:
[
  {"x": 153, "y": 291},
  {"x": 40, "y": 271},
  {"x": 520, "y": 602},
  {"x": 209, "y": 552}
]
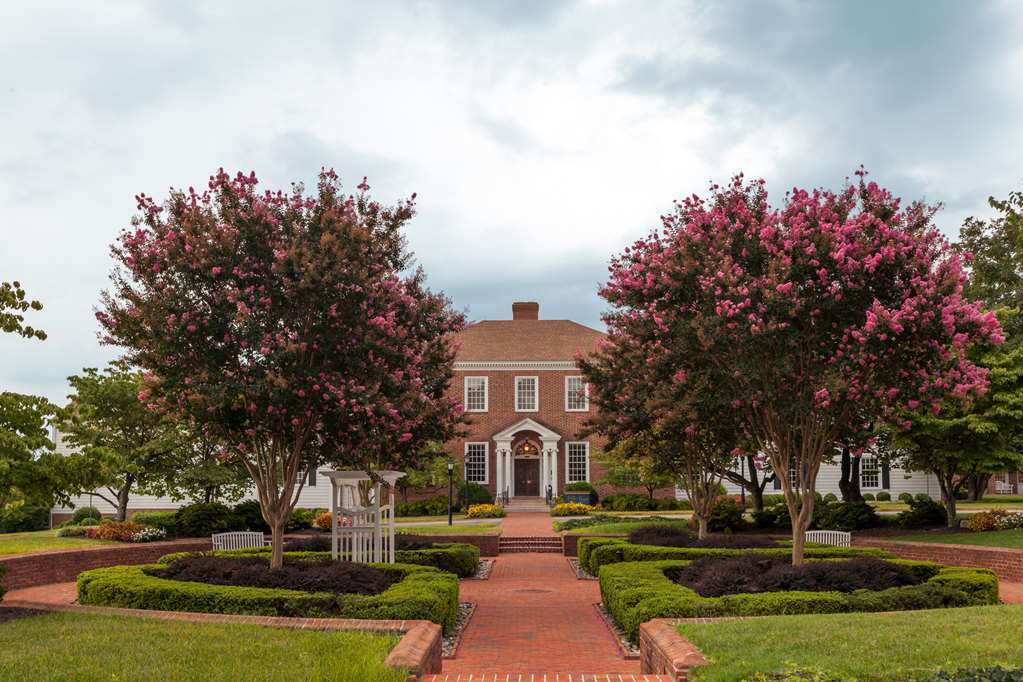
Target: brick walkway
[
  {"x": 533, "y": 616},
  {"x": 54, "y": 593},
  {"x": 527, "y": 524}
]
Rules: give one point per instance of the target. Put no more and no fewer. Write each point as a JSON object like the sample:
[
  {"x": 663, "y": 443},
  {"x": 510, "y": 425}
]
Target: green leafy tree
[
  {"x": 430, "y": 473},
  {"x": 984, "y": 437},
  {"x": 13, "y": 302},
  {"x": 119, "y": 444},
  {"x": 198, "y": 473},
  {"x": 621, "y": 471}
]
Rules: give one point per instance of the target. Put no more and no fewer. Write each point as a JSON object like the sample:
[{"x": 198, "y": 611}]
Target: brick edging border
[
  {"x": 663, "y": 651},
  {"x": 1006, "y": 563},
  {"x": 419, "y": 650}
]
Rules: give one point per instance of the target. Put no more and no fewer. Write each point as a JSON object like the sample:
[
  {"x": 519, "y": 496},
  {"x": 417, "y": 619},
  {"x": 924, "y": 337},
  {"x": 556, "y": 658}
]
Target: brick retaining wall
[
  {"x": 663, "y": 651},
  {"x": 1006, "y": 563},
  {"x": 60, "y": 566}
]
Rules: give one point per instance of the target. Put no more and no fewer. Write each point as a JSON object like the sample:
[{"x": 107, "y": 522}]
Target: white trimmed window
[
  {"x": 577, "y": 395},
  {"x": 476, "y": 394},
  {"x": 870, "y": 472},
  {"x": 578, "y": 462},
  {"x": 526, "y": 398},
  {"x": 476, "y": 463}
]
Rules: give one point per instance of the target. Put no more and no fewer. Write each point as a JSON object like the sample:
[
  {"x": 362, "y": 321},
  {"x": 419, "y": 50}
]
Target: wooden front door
[{"x": 527, "y": 478}]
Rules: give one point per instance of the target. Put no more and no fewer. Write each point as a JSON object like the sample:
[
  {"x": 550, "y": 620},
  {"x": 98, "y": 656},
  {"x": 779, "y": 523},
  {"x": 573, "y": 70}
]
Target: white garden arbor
[{"x": 362, "y": 529}]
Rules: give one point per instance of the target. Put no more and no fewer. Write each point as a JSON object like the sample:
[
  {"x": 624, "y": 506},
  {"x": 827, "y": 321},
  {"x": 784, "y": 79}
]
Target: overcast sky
[{"x": 541, "y": 137}]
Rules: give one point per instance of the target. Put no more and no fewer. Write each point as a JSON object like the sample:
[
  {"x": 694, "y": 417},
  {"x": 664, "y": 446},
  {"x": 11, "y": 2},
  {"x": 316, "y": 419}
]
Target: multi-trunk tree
[
  {"x": 799, "y": 319},
  {"x": 291, "y": 327}
]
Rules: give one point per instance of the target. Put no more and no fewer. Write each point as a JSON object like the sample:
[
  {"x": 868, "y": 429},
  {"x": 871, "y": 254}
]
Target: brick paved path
[
  {"x": 527, "y": 524},
  {"x": 533, "y": 616}
]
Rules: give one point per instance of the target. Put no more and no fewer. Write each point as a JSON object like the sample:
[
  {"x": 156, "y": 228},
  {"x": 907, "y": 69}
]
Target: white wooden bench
[
  {"x": 1003, "y": 488},
  {"x": 238, "y": 540},
  {"x": 838, "y": 538}
]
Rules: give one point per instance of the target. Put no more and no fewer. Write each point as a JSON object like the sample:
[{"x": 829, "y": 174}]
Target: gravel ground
[{"x": 450, "y": 645}]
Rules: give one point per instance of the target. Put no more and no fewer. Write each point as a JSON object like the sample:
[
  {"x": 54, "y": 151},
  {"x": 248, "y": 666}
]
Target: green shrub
[
  {"x": 433, "y": 506},
  {"x": 845, "y": 516},
  {"x": 636, "y": 592},
  {"x": 767, "y": 517},
  {"x": 571, "y": 509},
  {"x": 165, "y": 520},
  {"x": 725, "y": 516},
  {"x": 994, "y": 674},
  {"x": 594, "y": 520},
  {"x": 923, "y": 511},
  {"x": 418, "y": 593},
  {"x": 831, "y": 497},
  {"x": 905, "y": 498},
  {"x": 89, "y": 521},
  {"x": 85, "y": 513},
  {"x": 23, "y": 518},
  {"x": 923, "y": 497},
  {"x": 773, "y": 499},
  {"x": 471, "y": 493},
  {"x": 71, "y": 532},
  {"x": 203, "y": 519},
  {"x": 629, "y": 502},
  {"x": 868, "y": 497},
  {"x": 671, "y": 504},
  {"x": 250, "y": 517},
  {"x": 301, "y": 518},
  {"x": 485, "y": 511},
  {"x": 884, "y": 496}
]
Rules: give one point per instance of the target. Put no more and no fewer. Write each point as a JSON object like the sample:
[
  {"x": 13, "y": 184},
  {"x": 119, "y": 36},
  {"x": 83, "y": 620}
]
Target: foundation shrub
[
  {"x": 905, "y": 498},
  {"x": 203, "y": 519},
  {"x": 845, "y": 516},
  {"x": 23, "y": 518},
  {"x": 71, "y": 532},
  {"x": 167, "y": 521},
  {"x": 923, "y": 511},
  {"x": 725, "y": 517},
  {"x": 485, "y": 511},
  {"x": 89, "y": 521},
  {"x": 831, "y": 497},
  {"x": 640, "y": 591},
  {"x": 433, "y": 506},
  {"x": 867, "y": 497},
  {"x": 628, "y": 502},
  {"x": 751, "y": 573},
  {"x": 415, "y": 593},
  {"x": 85, "y": 513},
  {"x": 594, "y": 520},
  {"x": 884, "y": 496},
  {"x": 471, "y": 493},
  {"x": 302, "y": 519}
]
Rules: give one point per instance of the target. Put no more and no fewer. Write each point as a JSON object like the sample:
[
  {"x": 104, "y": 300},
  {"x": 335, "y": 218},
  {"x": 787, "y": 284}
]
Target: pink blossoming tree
[
  {"x": 797, "y": 320},
  {"x": 288, "y": 326}
]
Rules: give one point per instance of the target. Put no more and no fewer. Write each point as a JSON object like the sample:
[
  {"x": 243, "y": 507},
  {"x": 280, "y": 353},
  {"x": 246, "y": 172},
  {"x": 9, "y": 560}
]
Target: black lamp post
[{"x": 451, "y": 469}]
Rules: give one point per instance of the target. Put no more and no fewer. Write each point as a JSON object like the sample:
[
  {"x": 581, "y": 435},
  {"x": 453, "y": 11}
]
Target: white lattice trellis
[{"x": 361, "y": 531}]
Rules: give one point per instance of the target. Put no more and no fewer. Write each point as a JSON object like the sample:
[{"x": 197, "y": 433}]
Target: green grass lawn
[
  {"x": 621, "y": 527},
  {"x": 990, "y": 502},
  {"x": 445, "y": 529},
  {"x": 41, "y": 541},
  {"x": 442, "y": 517},
  {"x": 861, "y": 646},
  {"x": 65, "y": 646},
  {"x": 995, "y": 538}
]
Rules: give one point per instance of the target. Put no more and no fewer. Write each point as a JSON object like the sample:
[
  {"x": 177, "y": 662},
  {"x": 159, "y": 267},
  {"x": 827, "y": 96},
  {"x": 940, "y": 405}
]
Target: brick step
[
  {"x": 545, "y": 677},
  {"x": 538, "y": 544}
]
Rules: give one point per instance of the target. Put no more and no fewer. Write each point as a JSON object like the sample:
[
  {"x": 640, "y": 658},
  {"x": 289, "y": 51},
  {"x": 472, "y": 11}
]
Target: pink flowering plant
[
  {"x": 292, "y": 327},
  {"x": 794, "y": 322}
]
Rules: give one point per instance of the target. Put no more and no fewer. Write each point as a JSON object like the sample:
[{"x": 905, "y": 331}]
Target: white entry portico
[{"x": 505, "y": 456}]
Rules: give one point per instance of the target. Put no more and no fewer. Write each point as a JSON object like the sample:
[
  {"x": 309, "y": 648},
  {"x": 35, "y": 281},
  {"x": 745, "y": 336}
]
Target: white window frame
[
  {"x": 875, "y": 471},
  {"x": 536, "y": 394},
  {"x": 486, "y": 461},
  {"x": 568, "y": 461},
  {"x": 586, "y": 395},
  {"x": 486, "y": 394}
]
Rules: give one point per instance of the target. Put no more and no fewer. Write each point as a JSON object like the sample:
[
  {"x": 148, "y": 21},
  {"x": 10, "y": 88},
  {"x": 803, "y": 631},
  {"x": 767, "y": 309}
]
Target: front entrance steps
[
  {"x": 546, "y": 677},
  {"x": 526, "y": 504},
  {"x": 533, "y": 543}
]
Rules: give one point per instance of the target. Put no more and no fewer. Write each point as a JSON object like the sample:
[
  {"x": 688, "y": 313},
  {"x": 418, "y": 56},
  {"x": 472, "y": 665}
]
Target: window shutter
[
  {"x": 777, "y": 483},
  {"x": 886, "y": 476},
  {"x": 312, "y": 478}
]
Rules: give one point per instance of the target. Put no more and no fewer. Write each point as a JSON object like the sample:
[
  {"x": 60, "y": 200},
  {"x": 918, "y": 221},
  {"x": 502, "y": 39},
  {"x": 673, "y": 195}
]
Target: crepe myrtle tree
[
  {"x": 800, "y": 318},
  {"x": 291, "y": 327}
]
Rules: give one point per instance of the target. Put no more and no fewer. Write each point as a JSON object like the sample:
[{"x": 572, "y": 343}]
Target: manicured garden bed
[
  {"x": 635, "y": 592},
  {"x": 599, "y": 526},
  {"x": 1012, "y": 539},
  {"x": 75, "y": 646},
  {"x": 415, "y": 593},
  {"x": 454, "y": 529},
  {"x": 875, "y": 646},
  {"x": 42, "y": 541}
]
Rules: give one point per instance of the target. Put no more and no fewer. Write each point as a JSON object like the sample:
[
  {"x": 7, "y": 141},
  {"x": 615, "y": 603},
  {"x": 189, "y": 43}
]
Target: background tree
[
  {"x": 637, "y": 471},
  {"x": 800, "y": 319},
  {"x": 429, "y": 472},
  {"x": 198, "y": 473},
  {"x": 291, "y": 327},
  {"x": 751, "y": 474},
  {"x": 120, "y": 446},
  {"x": 13, "y": 302},
  {"x": 959, "y": 443}
]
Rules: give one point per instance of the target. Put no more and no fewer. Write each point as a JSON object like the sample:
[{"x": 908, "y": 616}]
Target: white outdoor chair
[
  {"x": 238, "y": 540},
  {"x": 838, "y": 538},
  {"x": 1003, "y": 488}
]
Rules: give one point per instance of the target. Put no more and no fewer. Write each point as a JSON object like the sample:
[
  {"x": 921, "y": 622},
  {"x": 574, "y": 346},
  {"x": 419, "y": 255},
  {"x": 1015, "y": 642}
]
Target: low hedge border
[
  {"x": 3, "y": 572},
  {"x": 595, "y": 552},
  {"x": 419, "y": 593},
  {"x": 458, "y": 558},
  {"x": 635, "y": 592}
]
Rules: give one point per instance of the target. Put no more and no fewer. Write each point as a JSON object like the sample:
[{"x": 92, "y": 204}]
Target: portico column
[
  {"x": 552, "y": 464},
  {"x": 501, "y": 464},
  {"x": 543, "y": 472}
]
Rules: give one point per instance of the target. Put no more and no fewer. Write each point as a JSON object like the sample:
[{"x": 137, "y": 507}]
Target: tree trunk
[
  {"x": 948, "y": 496},
  {"x": 650, "y": 492},
  {"x": 849, "y": 483},
  {"x": 756, "y": 496},
  {"x": 798, "y": 541},
  {"x": 702, "y": 527},
  {"x": 277, "y": 543},
  {"x": 123, "y": 496},
  {"x": 977, "y": 485}
]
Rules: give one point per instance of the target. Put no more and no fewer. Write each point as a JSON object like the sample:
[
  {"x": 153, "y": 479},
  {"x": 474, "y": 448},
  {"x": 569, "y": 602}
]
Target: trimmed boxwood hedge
[
  {"x": 418, "y": 593},
  {"x": 455, "y": 557},
  {"x": 635, "y": 592},
  {"x": 595, "y": 552}
]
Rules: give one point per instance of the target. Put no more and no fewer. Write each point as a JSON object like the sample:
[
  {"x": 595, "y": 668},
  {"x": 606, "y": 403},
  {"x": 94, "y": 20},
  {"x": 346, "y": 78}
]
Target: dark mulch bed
[
  {"x": 9, "y": 613},
  {"x": 675, "y": 536},
  {"x": 718, "y": 577},
  {"x": 321, "y": 576},
  {"x": 321, "y": 543}
]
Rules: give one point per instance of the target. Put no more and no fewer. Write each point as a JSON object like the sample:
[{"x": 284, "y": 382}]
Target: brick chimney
[{"x": 525, "y": 310}]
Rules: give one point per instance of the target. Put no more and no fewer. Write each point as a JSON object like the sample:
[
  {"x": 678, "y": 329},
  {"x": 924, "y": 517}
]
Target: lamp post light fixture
[{"x": 451, "y": 469}]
